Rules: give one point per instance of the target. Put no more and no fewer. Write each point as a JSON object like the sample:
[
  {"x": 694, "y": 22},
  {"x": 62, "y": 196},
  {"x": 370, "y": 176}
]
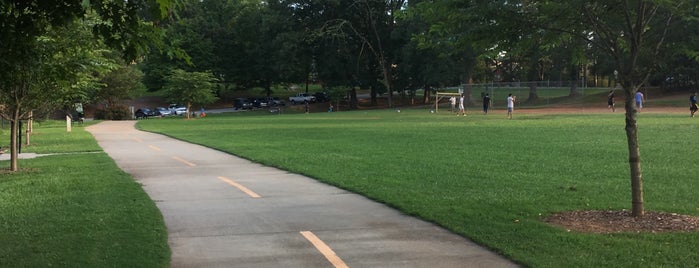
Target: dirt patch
[{"x": 596, "y": 221}]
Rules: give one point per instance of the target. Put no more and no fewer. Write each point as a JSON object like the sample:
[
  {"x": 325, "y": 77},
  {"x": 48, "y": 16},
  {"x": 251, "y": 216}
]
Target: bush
[{"x": 114, "y": 113}]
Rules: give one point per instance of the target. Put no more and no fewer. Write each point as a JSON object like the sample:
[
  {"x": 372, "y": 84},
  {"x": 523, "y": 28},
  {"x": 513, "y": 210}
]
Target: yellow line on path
[
  {"x": 324, "y": 249},
  {"x": 154, "y": 147},
  {"x": 184, "y": 161},
  {"x": 240, "y": 187}
]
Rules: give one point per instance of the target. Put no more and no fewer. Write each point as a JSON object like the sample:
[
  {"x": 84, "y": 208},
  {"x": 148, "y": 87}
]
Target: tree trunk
[
  {"x": 468, "y": 94},
  {"x": 533, "y": 93},
  {"x": 373, "y": 94},
  {"x": 426, "y": 94},
  {"x": 634, "y": 155},
  {"x": 533, "y": 73},
  {"x": 353, "y": 98},
  {"x": 387, "y": 81},
  {"x": 467, "y": 86},
  {"x": 14, "y": 142},
  {"x": 575, "y": 80}
]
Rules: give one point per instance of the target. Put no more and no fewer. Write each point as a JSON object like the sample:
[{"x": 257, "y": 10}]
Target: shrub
[{"x": 114, "y": 113}]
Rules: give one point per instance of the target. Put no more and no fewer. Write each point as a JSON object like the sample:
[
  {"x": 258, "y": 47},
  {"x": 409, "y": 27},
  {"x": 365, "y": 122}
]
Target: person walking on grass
[
  {"x": 462, "y": 109},
  {"x": 610, "y": 100},
  {"x": 639, "y": 100},
  {"x": 452, "y": 100},
  {"x": 693, "y": 104},
  {"x": 486, "y": 103},
  {"x": 510, "y": 105}
]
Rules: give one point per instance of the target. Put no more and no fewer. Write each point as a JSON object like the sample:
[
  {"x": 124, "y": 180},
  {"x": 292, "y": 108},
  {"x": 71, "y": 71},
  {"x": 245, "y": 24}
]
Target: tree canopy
[
  {"x": 191, "y": 88},
  {"x": 45, "y": 56}
]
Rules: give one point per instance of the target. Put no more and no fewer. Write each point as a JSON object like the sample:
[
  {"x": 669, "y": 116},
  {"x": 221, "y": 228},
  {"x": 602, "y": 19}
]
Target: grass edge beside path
[{"x": 74, "y": 209}]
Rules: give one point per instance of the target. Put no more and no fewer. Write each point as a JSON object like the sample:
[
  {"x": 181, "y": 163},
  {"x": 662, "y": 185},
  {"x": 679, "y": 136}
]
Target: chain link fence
[{"x": 541, "y": 94}]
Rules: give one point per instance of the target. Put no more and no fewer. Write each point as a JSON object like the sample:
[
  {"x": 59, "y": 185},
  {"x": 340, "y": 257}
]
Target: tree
[
  {"x": 35, "y": 66},
  {"x": 120, "y": 84},
  {"x": 421, "y": 62},
  {"x": 191, "y": 88},
  {"x": 635, "y": 35},
  {"x": 464, "y": 32},
  {"x": 59, "y": 73},
  {"x": 373, "y": 23}
]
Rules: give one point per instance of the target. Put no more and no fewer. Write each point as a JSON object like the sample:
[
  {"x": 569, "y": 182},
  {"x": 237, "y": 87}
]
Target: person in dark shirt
[
  {"x": 693, "y": 104},
  {"x": 486, "y": 103},
  {"x": 610, "y": 100}
]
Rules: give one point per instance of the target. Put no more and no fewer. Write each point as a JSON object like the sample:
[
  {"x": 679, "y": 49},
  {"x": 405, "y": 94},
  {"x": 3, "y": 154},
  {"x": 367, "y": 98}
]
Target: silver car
[{"x": 164, "y": 111}]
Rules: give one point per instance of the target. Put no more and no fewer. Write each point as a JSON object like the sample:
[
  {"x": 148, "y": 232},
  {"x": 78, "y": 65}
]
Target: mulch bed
[{"x": 611, "y": 221}]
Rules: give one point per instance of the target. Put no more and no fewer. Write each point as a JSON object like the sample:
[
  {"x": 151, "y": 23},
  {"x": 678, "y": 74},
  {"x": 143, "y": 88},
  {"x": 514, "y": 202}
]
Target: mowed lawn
[
  {"x": 75, "y": 208},
  {"x": 487, "y": 178}
]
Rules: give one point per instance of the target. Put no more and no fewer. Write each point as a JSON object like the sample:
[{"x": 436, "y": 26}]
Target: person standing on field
[
  {"x": 462, "y": 109},
  {"x": 486, "y": 103},
  {"x": 639, "y": 100},
  {"x": 510, "y": 105},
  {"x": 693, "y": 104},
  {"x": 452, "y": 100},
  {"x": 610, "y": 100}
]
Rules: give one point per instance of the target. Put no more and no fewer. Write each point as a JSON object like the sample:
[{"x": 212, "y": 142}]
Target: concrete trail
[{"x": 224, "y": 211}]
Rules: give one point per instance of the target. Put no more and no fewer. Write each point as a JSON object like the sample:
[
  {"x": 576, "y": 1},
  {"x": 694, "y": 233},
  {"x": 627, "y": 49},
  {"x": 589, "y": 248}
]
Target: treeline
[{"x": 401, "y": 46}]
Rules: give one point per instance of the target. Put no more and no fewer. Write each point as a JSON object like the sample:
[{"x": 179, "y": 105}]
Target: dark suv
[
  {"x": 274, "y": 101},
  {"x": 145, "y": 113},
  {"x": 242, "y": 104},
  {"x": 322, "y": 96}
]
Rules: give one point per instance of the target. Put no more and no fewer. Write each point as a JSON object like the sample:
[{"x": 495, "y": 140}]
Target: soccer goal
[{"x": 440, "y": 95}]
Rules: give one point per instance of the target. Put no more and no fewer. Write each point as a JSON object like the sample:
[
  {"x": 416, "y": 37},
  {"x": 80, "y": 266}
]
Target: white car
[
  {"x": 178, "y": 110},
  {"x": 164, "y": 111}
]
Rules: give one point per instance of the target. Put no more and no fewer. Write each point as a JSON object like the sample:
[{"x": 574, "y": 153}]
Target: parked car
[
  {"x": 322, "y": 96},
  {"x": 164, "y": 111},
  {"x": 177, "y": 109},
  {"x": 302, "y": 98},
  {"x": 242, "y": 104},
  {"x": 274, "y": 102},
  {"x": 145, "y": 113},
  {"x": 259, "y": 102}
]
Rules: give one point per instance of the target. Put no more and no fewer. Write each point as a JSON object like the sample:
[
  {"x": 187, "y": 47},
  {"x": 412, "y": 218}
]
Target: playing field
[{"x": 485, "y": 177}]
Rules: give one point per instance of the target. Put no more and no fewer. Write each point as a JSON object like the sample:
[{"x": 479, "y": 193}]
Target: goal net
[{"x": 444, "y": 95}]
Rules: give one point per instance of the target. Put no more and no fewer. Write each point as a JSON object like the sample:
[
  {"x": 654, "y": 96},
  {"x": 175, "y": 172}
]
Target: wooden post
[
  {"x": 436, "y": 102},
  {"x": 68, "y": 123},
  {"x": 29, "y": 128}
]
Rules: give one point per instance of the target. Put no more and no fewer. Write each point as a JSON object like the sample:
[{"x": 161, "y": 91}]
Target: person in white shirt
[
  {"x": 462, "y": 109},
  {"x": 453, "y": 103},
  {"x": 510, "y": 105}
]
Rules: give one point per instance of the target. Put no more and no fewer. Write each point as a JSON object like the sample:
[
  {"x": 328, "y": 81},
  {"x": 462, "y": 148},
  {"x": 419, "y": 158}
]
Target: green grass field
[
  {"x": 485, "y": 177},
  {"x": 76, "y": 208}
]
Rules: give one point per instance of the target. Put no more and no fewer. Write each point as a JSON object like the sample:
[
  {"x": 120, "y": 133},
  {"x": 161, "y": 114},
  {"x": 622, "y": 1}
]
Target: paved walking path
[{"x": 224, "y": 211}]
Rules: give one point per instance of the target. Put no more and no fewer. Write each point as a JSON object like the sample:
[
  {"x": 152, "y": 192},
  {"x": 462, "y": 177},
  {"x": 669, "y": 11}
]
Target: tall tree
[
  {"x": 464, "y": 31},
  {"x": 421, "y": 62},
  {"x": 33, "y": 66},
  {"x": 372, "y": 22},
  {"x": 191, "y": 88},
  {"x": 122, "y": 83},
  {"x": 635, "y": 35}
]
